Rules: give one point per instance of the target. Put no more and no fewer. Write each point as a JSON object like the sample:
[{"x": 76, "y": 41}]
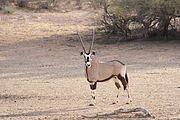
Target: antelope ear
[
  {"x": 81, "y": 53},
  {"x": 93, "y": 53}
]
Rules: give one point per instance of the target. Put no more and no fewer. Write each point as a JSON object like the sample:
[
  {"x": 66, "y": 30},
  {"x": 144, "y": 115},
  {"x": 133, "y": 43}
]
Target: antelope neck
[{"x": 93, "y": 64}]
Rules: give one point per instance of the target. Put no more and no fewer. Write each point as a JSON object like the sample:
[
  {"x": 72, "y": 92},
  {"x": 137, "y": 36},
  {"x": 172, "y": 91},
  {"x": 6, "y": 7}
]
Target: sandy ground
[{"x": 42, "y": 72}]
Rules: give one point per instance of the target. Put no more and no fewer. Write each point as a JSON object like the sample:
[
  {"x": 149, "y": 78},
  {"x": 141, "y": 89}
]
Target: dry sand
[{"x": 42, "y": 73}]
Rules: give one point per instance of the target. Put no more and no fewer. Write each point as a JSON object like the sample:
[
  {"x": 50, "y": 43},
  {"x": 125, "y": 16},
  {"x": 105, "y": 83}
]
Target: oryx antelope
[{"x": 97, "y": 71}]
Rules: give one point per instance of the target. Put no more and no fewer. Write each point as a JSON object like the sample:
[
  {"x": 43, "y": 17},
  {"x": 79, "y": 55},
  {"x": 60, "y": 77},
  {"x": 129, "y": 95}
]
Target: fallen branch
[{"x": 115, "y": 112}]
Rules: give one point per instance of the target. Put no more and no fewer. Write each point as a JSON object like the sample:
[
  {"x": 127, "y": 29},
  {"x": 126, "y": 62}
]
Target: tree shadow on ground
[{"x": 46, "y": 112}]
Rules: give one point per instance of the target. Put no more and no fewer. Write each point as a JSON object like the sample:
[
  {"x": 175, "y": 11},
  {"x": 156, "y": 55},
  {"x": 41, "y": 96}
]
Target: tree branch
[{"x": 115, "y": 112}]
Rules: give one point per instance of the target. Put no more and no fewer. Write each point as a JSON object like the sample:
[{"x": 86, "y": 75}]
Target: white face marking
[{"x": 87, "y": 59}]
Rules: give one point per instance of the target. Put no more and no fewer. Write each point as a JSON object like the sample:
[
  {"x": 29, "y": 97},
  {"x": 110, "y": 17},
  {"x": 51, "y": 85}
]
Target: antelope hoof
[
  {"x": 113, "y": 103},
  {"x": 129, "y": 102},
  {"x": 92, "y": 104}
]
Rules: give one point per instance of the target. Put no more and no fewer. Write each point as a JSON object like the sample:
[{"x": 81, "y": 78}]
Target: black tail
[
  {"x": 126, "y": 77},
  {"x": 123, "y": 80}
]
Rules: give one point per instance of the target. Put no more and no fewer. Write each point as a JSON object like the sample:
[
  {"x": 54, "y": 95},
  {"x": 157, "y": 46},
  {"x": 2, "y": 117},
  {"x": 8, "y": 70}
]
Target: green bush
[
  {"x": 22, "y": 3},
  {"x": 8, "y": 9},
  {"x": 151, "y": 15},
  {"x": 96, "y": 4}
]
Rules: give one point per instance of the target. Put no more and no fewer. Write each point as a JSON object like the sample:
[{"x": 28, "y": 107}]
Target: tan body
[
  {"x": 100, "y": 71},
  {"x": 103, "y": 71}
]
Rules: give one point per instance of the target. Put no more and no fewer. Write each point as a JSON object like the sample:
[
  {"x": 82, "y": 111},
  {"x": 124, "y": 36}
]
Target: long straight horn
[
  {"x": 92, "y": 41},
  {"x": 82, "y": 42}
]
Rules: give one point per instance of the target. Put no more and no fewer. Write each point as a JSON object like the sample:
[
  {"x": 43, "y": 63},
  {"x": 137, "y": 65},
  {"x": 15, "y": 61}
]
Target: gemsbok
[{"x": 97, "y": 71}]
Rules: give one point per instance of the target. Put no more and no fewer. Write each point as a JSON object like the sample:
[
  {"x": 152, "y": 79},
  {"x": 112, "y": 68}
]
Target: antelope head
[{"x": 87, "y": 55}]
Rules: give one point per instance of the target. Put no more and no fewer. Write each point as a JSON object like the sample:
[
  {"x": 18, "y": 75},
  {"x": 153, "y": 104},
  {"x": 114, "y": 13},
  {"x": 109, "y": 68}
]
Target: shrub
[
  {"x": 96, "y": 4},
  {"x": 22, "y": 3},
  {"x": 154, "y": 16},
  {"x": 8, "y": 9}
]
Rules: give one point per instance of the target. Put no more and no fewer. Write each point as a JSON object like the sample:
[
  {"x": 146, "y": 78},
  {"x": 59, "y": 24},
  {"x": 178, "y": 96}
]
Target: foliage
[
  {"x": 22, "y": 3},
  {"x": 3, "y": 3},
  {"x": 96, "y": 4},
  {"x": 152, "y": 16},
  {"x": 8, "y": 9},
  {"x": 30, "y": 4}
]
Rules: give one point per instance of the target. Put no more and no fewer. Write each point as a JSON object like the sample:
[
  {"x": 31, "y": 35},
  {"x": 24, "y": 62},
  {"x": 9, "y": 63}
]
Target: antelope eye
[
  {"x": 81, "y": 53},
  {"x": 93, "y": 53}
]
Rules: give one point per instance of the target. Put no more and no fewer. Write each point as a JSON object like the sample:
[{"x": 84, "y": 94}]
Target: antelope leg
[
  {"x": 117, "y": 83},
  {"x": 93, "y": 93}
]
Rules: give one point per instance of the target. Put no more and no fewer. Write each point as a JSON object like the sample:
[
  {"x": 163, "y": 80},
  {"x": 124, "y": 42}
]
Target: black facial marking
[
  {"x": 87, "y": 59},
  {"x": 81, "y": 53},
  {"x": 93, "y": 53}
]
